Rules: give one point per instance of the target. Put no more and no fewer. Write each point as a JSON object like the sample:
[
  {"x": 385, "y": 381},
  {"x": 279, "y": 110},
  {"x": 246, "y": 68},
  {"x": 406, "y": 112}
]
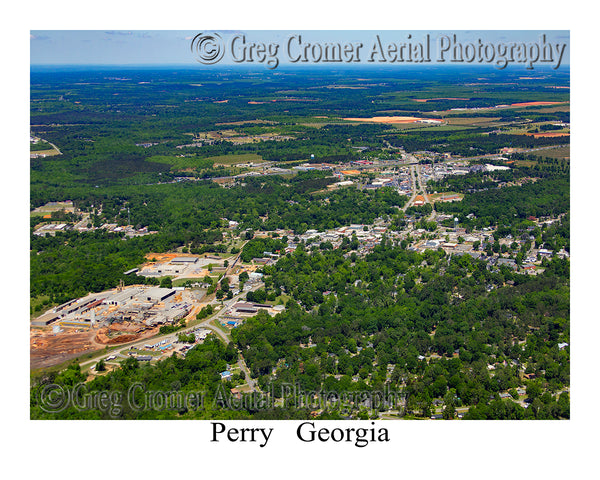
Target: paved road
[
  {"x": 417, "y": 186},
  {"x": 55, "y": 148},
  {"x": 413, "y": 187},
  {"x": 251, "y": 383},
  {"x": 171, "y": 336},
  {"x": 421, "y": 186},
  {"x": 85, "y": 219},
  {"x": 207, "y": 324}
]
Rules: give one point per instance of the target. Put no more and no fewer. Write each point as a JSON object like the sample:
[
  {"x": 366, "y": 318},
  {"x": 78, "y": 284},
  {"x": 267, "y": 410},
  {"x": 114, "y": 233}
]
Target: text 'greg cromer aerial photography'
[{"x": 300, "y": 225}]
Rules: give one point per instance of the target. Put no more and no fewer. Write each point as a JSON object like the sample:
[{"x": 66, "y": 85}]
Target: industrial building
[
  {"x": 45, "y": 319},
  {"x": 180, "y": 267},
  {"x": 145, "y": 305},
  {"x": 185, "y": 260},
  {"x": 248, "y": 308},
  {"x": 157, "y": 294}
]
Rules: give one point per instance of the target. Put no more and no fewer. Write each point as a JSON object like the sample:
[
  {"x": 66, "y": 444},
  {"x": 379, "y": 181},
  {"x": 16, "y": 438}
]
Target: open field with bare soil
[
  {"x": 47, "y": 349},
  {"x": 548, "y": 134}
]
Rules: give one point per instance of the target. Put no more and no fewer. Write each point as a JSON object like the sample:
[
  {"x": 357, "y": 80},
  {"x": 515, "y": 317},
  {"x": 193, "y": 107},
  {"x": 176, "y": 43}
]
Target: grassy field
[
  {"x": 38, "y": 214},
  {"x": 414, "y": 126},
  {"x": 434, "y": 197},
  {"x": 245, "y": 122},
  {"x": 38, "y": 301},
  {"x": 181, "y": 281},
  {"x": 558, "y": 108},
  {"x": 525, "y": 163},
  {"x": 216, "y": 323},
  {"x": 559, "y": 152},
  {"x": 48, "y": 153},
  {"x": 40, "y": 147},
  {"x": 184, "y": 163},
  {"x": 244, "y": 388},
  {"x": 44, "y": 209},
  {"x": 471, "y": 121},
  {"x": 525, "y": 128},
  {"x": 223, "y": 255},
  {"x": 445, "y": 128},
  {"x": 281, "y": 300},
  {"x": 233, "y": 159},
  {"x": 181, "y": 163}
]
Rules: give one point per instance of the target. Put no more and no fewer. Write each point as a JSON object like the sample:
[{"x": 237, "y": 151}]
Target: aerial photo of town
[{"x": 306, "y": 242}]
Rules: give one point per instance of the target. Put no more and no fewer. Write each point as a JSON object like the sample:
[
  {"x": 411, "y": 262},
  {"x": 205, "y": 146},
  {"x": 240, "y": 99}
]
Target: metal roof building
[
  {"x": 45, "y": 319},
  {"x": 155, "y": 294},
  {"x": 144, "y": 358},
  {"x": 120, "y": 298},
  {"x": 184, "y": 260}
]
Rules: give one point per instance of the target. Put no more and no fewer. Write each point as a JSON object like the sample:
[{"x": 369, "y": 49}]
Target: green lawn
[
  {"x": 36, "y": 301},
  {"x": 238, "y": 158},
  {"x": 217, "y": 323},
  {"x": 560, "y": 152},
  {"x": 195, "y": 162}
]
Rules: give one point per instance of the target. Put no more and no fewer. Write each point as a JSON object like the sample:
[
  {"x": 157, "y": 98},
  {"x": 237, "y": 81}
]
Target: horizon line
[{"x": 304, "y": 65}]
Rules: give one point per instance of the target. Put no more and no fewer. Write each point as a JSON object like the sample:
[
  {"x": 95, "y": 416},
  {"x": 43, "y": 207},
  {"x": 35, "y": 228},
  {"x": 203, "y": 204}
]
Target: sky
[{"x": 168, "y": 47}]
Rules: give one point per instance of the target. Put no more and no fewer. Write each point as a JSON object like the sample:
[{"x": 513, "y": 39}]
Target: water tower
[{"x": 455, "y": 224}]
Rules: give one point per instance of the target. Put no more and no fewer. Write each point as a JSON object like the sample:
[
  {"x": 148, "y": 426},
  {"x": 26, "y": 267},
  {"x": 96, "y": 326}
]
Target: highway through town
[{"x": 417, "y": 185}]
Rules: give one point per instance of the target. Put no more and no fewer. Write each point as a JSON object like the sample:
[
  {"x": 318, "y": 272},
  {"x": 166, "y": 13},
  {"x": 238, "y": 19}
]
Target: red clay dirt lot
[
  {"x": 47, "y": 349},
  {"x": 119, "y": 333}
]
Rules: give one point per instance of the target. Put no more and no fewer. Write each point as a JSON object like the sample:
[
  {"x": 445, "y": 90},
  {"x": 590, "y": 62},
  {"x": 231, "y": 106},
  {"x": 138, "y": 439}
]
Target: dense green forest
[
  {"x": 71, "y": 264},
  {"x": 397, "y": 305},
  {"x": 505, "y": 206}
]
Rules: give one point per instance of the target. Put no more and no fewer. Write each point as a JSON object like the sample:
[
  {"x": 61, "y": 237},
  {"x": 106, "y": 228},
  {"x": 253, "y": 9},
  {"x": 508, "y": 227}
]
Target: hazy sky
[{"x": 156, "y": 47}]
